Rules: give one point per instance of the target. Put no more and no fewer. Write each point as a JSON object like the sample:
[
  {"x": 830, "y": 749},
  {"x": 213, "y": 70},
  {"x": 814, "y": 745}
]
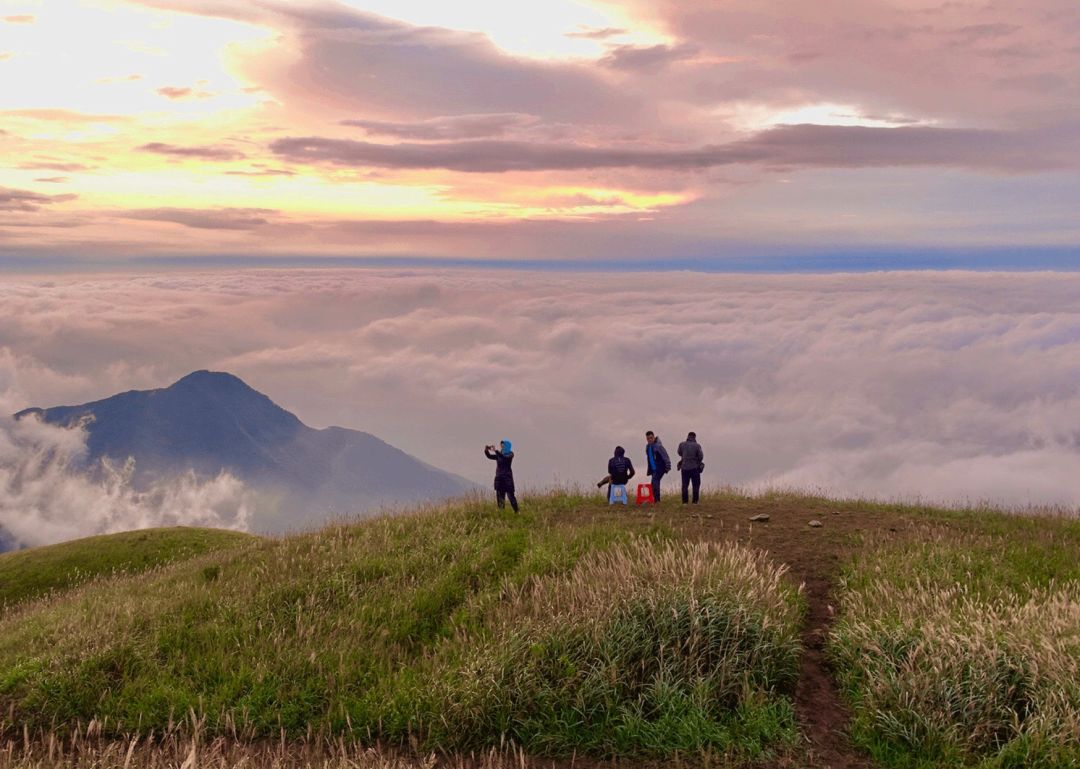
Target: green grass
[
  {"x": 960, "y": 646},
  {"x": 456, "y": 629},
  {"x": 29, "y": 574}
]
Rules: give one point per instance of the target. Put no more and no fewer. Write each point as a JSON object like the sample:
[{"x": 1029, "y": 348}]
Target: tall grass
[
  {"x": 459, "y": 628},
  {"x": 89, "y": 749},
  {"x": 963, "y": 649},
  {"x": 639, "y": 649}
]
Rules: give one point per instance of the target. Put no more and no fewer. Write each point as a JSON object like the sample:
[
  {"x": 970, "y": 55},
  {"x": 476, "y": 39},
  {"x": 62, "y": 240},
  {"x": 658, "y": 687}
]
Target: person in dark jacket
[
  {"x": 691, "y": 463},
  {"x": 659, "y": 462},
  {"x": 620, "y": 470},
  {"x": 504, "y": 474}
]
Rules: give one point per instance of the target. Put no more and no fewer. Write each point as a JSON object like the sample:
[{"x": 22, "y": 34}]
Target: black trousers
[
  {"x": 501, "y": 496},
  {"x": 691, "y": 477}
]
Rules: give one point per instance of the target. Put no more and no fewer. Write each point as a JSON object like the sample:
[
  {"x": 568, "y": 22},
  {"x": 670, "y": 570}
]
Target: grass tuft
[{"x": 962, "y": 648}]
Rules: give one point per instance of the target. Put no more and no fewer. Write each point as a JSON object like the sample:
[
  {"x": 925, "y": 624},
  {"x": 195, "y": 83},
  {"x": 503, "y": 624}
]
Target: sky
[{"x": 744, "y": 134}]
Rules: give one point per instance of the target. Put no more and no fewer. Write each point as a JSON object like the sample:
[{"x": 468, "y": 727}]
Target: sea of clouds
[{"x": 957, "y": 387}]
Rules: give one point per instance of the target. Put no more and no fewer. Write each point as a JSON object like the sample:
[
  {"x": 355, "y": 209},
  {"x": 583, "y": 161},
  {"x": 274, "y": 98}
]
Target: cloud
[
  {"x": 785, "y": 146},
  {"x": 50, "y": 493},
  {"x": 176, "y": 93},
  {"x": 263, "y": 172},
  {"x": 26, "y": 201},
  {"x": 45, "y": 165},
  {"x": 172, "y": 92},
  {"x": 915, "y": 57},
  {"x": 206, "y": 219},
  {"x": 651, "y": 57},
  {"x": 22, "y": 18},
  {"x": 451, "y": 127},
  {"x": 203, "y": 152},
  {"x": 601, "y": 33},
  {"x": 53, "y": 179},
  {"x": 948, "y": 386},
  {"x": 422, "y": 72}
]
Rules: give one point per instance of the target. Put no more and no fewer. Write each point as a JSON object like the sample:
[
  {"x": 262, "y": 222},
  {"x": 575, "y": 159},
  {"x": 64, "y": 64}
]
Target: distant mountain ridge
[{"x": 213, "y": 421}]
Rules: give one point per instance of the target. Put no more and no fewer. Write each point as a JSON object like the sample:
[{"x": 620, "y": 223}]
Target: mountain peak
[{"x": 214, "y": 379}]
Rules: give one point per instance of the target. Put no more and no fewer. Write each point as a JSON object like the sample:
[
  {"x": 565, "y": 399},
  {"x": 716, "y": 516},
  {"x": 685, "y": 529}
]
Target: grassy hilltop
[
  {"x": 932, "y": 638},
  {"x": 29, "y": 574}
]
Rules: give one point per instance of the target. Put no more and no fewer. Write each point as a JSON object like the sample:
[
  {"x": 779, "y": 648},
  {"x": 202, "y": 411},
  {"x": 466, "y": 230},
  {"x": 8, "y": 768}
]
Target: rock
[
  {"x": 815, "y": 524},
  {"x": 759, "y": 518}
]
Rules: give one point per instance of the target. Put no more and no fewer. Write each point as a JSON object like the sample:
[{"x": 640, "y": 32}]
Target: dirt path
[{"x": 813, "y": 557}]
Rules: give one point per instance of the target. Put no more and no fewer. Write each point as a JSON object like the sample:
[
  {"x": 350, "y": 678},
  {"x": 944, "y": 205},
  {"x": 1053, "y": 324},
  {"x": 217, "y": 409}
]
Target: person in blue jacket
[
  {"x": 659, "y": 462},
  {"x": 504, "y": 474}
]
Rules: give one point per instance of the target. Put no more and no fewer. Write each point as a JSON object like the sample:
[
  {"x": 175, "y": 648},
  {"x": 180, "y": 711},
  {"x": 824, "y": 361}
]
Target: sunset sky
[{"x": 745, "y": 133}]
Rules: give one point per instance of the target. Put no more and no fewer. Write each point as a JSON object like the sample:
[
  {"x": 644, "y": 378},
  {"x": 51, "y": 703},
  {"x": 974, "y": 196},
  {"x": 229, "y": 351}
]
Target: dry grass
[{"x": 88, "y": 749}]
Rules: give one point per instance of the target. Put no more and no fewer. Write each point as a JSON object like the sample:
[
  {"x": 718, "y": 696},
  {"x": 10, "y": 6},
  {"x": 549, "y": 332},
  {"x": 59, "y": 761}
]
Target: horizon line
[{"x": 778, "y": 262}]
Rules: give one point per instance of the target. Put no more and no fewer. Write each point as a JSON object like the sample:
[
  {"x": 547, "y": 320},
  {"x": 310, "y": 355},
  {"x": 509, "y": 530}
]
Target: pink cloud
[
  {"x": 786, "y": 147},
  {"x": 199, "y": 152},
  {"x": 26, "y": 200},
  {"x": 211, "y": 219}
]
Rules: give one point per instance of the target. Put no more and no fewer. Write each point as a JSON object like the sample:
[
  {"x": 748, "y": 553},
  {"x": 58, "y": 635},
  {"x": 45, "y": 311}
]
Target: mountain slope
[
  {"x": 211, "y": 421},
  {"x": 27, "y": 574}
]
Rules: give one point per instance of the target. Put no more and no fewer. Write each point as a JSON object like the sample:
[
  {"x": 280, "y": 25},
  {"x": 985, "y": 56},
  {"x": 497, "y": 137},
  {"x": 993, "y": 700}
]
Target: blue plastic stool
[{"x": 618, "y": 494}]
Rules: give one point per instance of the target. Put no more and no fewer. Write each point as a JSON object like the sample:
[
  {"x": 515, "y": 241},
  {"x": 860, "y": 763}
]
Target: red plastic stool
[{"x": 644, "y": 493}]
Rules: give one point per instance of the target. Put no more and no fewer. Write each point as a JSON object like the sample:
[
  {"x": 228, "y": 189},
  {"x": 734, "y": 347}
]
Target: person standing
[
  {"x": 659, "y": 462},
  {"x": 691, "y": 463},
  {"x": 620, "y": 471},
  {"x": 504, "y": 474}
]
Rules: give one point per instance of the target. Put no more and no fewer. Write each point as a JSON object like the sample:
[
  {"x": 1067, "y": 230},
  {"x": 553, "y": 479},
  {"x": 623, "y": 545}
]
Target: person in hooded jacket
[
  {"x": 620, "y": 470},
  {"x": 659, "y": 461},
  {"x": 504, "y": 474}
]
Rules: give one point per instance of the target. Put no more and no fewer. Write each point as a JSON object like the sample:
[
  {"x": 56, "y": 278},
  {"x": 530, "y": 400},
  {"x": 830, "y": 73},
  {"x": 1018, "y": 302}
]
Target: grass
[
  {"x": 30, "y": 574},
  {"x": 960, "y": 645},
  {"x": 90, "y": 750},
  {"x": 574, "y": 629},
  {"x": 463, "y": 628}
]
